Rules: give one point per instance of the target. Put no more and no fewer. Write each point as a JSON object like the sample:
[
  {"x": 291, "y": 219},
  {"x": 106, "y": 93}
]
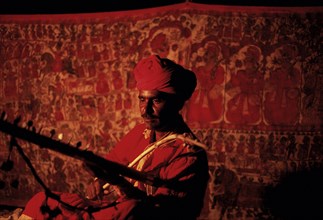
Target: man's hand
[
  {"x": 121, "y": 185},
  {"x": 94, "y": 190},
  {"x": 106, "y": 175}
]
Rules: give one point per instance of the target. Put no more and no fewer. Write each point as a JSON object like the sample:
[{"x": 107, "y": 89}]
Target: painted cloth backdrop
[{"x": 257, "y": 105}]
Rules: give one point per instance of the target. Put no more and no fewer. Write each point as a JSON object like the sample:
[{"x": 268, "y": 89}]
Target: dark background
[{"x": 73, "y": 6}]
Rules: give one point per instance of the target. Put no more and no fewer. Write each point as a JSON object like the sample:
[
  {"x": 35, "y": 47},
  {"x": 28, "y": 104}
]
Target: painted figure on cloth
[
  {"x": 162, "y": 147},
  {"x": 245, "y": 87},
  {"x": 282, "y": 94},
  {"x": 206, "y": 105}
]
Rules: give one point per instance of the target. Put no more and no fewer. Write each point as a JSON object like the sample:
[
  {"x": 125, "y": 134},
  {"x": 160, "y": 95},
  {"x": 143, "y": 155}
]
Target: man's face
[{"x": 156, "y": 108}]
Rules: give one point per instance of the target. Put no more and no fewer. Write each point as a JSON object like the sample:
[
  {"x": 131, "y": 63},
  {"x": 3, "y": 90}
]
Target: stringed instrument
[{"x": 104, "y": 166}]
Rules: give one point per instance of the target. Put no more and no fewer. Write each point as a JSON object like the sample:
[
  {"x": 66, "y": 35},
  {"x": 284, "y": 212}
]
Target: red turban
[{"x": 162, "y": 74}]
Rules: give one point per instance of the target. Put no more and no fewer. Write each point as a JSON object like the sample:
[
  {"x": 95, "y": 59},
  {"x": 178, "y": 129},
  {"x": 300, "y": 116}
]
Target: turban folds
[{"x": 164, "y": 75}]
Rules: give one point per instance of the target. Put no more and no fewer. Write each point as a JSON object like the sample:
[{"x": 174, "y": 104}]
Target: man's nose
[{"x": 147, "y": 108}]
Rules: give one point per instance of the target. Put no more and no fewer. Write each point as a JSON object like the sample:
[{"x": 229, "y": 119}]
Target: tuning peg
[
  {"x": 3, "y": 116},
  {"x": 87, "y": 147},
  {"x": 52, "y": 133},
  {"x": 60, "y": 136},
  {"x": 17, "y": 120},
  {"x": 78, "y": 144},
  {"x": 29, "y": 124}
]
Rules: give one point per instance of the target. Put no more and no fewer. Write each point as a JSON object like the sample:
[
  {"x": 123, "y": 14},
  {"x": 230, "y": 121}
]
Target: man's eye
[{"x": 157, "y": 101}]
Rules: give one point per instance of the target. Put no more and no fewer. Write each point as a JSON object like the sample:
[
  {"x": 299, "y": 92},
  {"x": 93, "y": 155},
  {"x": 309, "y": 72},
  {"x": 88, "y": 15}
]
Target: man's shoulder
[
  {"x": 138, "y": 129},
  {"x": 140, "y": 126},
  {"x": 186, "y": 140}
]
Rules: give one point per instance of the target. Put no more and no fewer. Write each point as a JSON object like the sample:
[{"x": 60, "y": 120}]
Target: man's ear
[
  {"x": 179, "y": 103},
  {"x": 176, "y": 102}
]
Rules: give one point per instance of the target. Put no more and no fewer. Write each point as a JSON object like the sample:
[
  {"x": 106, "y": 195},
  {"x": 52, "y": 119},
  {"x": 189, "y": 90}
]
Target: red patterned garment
[{"x": 174, "y": 160}]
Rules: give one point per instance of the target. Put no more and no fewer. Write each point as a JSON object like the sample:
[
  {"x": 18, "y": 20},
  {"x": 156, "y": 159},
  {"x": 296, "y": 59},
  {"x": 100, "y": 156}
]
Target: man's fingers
[{"x": 93, "y": 190}]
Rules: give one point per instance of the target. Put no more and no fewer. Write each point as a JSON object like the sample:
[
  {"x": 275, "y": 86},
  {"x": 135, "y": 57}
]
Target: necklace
[{"x": 150, "y": 148}]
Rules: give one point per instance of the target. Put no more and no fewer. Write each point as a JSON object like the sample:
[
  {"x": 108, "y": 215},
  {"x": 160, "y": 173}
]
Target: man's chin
[{"x": 151, "y": 126}]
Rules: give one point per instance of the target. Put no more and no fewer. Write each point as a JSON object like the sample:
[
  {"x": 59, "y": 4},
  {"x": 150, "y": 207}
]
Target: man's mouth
[{"x": 148, "y": 118}]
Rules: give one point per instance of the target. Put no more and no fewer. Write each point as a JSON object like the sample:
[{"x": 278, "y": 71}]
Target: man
[{"x": 163, "y": 147}]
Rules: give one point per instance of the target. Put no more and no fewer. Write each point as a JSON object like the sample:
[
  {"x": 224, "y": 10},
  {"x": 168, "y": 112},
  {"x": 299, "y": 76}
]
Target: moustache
[{"x": 147, "y": 116}]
